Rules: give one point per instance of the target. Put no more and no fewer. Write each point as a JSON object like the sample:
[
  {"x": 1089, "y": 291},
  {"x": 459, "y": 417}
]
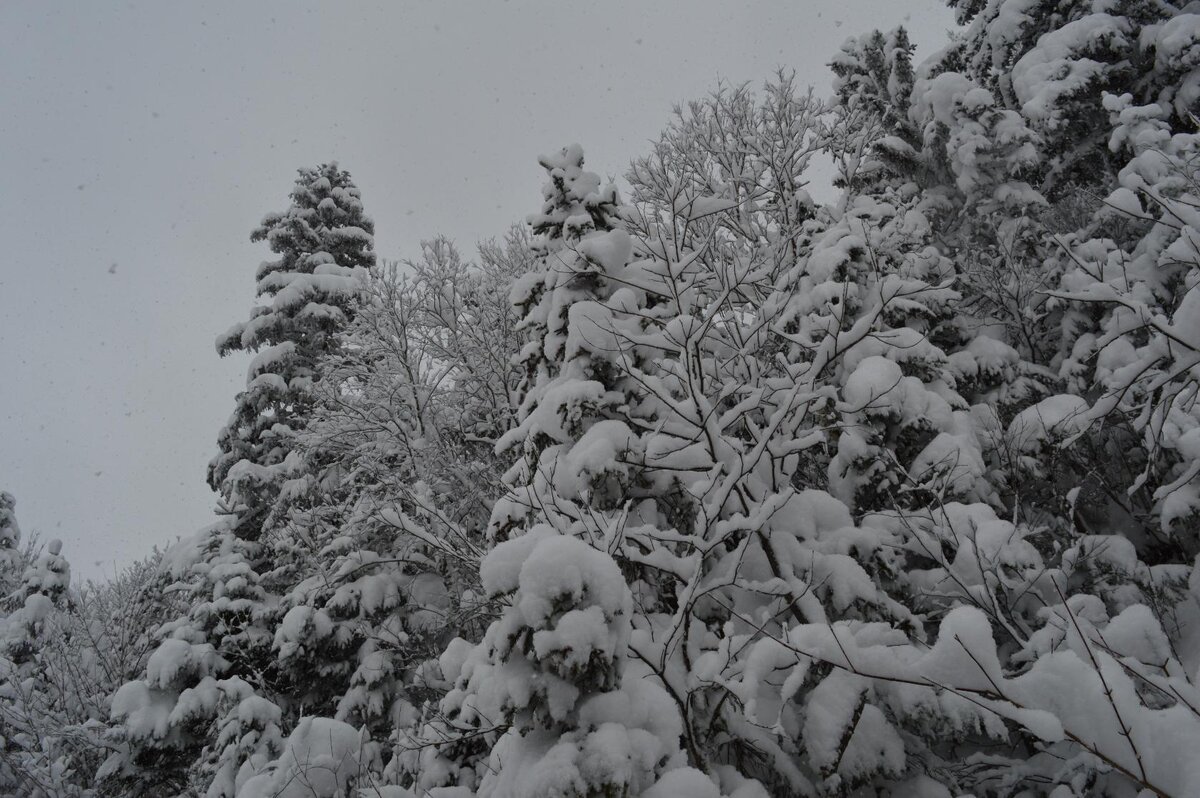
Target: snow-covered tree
[
  {"x": 216, "y": 658},
  {"x": 1053, "y": 62},
  {"x": 46, "y": 750},
  {"x": 1129, "y": 344},
  {"x": 164, "y": 719},
  {"x": 1021, "y": 120},
  {"x": 872, "y": 138},
  {"x": 378, "y": 527},
  {"x": 553, "y": 700},
  {"x": 384, "y": 527},
  {"x": 791, "y": 364},
  {"x": 326, "y": 243}
]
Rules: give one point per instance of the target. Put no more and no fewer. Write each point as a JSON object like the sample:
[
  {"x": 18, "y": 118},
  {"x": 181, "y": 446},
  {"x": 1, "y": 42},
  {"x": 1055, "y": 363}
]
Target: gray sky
[{"x": 141, "y": 142}]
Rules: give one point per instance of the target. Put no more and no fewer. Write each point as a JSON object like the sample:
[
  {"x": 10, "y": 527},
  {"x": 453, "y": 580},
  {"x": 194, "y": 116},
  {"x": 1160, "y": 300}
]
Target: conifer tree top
[
  {"x": 575, "y": 204},
  {"x": 325, "y": 219}
]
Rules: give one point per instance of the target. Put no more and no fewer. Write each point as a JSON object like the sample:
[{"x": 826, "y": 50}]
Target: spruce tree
[
  {"x": 325, "y": 242},
  {"x": 552, "y": 701},
  {"x": 213, "y": 670}
]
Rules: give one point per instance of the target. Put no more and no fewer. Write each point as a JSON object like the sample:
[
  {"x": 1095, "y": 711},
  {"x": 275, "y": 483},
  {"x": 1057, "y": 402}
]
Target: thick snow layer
[
  {"x": 320, "y": 759},
  {"x": 1052, "y": 419},
  {"x": 566, "y": 570},
  {"x": 611, "y": 250},
  {"x": 683, "y": 782},
  {"x": 1059, "y": 66},
  {"x": 598, "y": 452},
  {"x": 175, "y": 658}
]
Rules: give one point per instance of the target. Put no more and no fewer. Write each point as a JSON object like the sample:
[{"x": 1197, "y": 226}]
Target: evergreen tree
[
  {"x": 213, "y": 669},
  {"x": 1023, "y": 119},
  {"x": 325, "y": 243},
  {"x": 379, "y": 525},
  {"x": 43, "y": 752},
  {"x": 384, "y": 525},
  {"x": 553, "y": 692},
  {"x": 874, "y": 79}
]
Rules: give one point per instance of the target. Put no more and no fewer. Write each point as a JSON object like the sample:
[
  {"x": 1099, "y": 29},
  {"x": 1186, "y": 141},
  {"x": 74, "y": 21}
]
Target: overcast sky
[{"x": 141, "y": 142}]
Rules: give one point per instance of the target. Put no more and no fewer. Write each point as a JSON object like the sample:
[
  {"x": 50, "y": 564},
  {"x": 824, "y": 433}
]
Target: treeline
[{"x": 701, "y": 487}]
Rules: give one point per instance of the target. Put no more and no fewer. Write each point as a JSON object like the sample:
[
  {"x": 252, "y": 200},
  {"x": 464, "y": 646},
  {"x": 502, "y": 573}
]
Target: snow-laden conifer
[{"x": 325, "y": 244}]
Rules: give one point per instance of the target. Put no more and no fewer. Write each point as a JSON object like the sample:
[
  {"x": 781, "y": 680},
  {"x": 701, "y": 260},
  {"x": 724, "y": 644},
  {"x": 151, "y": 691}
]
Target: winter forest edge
[{"x": 700, "y": 487}]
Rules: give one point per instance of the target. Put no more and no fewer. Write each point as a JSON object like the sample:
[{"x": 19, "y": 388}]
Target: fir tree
[
  {"x": 325, "y": 243},
  {"x": 217, "y": 655}
]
